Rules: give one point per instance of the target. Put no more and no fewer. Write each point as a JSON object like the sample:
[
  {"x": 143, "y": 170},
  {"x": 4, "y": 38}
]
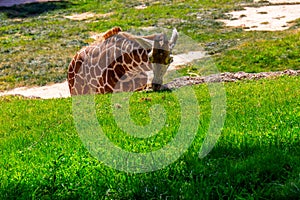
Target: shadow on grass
[
  {"x": 33, "y": 9},
  {"x": 267, "y": 173}
]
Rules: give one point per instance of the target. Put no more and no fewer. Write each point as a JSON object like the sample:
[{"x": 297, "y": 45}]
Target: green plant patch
[
  {"x": 277, "y": 53},
  {"x": 274, "y": 54},
  {"x": 257, "y": 155}
]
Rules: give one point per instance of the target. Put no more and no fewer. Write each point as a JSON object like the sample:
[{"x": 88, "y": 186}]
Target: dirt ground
[{"x": 265, "y": 18}]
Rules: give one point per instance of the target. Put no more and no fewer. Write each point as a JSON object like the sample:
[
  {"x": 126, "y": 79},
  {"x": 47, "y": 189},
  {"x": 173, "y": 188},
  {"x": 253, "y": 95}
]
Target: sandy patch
[
  {"x": 141, "y": 7},
  {"x": 87, "y": 15},
  {"x": 266, "y": 18},
  {"x": 59, "y": 90},
  {"x": 8, "y": 3},
  {"x": 185, "y": 58}
]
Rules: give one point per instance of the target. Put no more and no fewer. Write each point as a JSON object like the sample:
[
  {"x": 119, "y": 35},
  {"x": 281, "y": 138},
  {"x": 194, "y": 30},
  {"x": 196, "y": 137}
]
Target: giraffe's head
[{"x": 160, "y": 57}]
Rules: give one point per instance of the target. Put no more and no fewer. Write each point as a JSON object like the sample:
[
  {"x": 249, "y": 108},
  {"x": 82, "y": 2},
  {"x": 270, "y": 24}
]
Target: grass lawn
[
  {"x": 43, "y": 157},
  {"x": 257, "y": 155}
]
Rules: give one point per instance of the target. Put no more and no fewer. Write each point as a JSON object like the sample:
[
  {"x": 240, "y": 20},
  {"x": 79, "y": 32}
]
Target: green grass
[
  {"x": 273, "y": 54},
  {"x": 257, "y": 155},
  {"x": 42, "y": 156},
  {"x": 277, "y": 53}
]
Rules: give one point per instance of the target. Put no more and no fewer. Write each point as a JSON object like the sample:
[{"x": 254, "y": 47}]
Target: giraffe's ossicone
[{"x": 118, "y": 62}]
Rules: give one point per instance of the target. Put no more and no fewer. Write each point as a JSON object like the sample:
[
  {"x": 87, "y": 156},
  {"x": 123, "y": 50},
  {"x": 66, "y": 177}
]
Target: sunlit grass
[
  {"x": 256, "y": 156},
  {"x": 42, "y": 156}
]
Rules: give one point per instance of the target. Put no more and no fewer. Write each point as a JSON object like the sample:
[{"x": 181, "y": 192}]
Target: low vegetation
[{"x": 257, "y": 155}]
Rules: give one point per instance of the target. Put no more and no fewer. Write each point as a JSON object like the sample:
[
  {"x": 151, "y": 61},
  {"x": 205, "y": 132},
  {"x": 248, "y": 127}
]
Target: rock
[{"x": 226, "y": 77}]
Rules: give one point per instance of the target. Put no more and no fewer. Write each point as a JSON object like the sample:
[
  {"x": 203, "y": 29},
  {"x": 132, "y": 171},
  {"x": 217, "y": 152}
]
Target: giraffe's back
[{"x": 115, "y": 64}]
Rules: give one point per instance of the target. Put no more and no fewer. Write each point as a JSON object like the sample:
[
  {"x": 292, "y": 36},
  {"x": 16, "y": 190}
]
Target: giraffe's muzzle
[{"x": 156, "y": 86}]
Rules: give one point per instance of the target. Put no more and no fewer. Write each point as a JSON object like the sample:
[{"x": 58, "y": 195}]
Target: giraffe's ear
[
  {"x": 173, "y": 39},
  {"x": 145, "y": 43}
]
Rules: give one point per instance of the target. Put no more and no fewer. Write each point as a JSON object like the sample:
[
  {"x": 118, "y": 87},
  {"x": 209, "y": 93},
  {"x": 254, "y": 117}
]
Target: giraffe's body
[{"x": 116, "y": 62}]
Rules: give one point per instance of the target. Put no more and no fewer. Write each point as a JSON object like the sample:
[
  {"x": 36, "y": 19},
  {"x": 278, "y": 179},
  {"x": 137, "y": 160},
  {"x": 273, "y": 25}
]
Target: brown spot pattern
[{"x": 115, "y": 64}]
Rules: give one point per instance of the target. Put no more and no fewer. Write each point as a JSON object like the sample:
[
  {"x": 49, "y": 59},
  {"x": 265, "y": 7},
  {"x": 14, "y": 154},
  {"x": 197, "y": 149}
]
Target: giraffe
[{"x": 118, "y": 62}]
